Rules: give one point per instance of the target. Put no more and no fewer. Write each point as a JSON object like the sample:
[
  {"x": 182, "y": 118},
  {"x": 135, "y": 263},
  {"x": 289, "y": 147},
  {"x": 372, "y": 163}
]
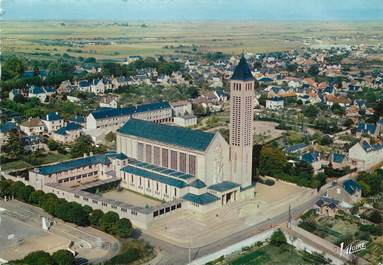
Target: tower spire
[{"x": 241, "y": 123}]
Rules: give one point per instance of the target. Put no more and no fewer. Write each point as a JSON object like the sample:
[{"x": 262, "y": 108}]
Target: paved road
[{"x": 174, "y": 255}]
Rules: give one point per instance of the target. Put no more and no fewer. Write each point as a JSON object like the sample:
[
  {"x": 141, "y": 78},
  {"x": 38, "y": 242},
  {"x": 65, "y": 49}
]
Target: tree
[
  {"x": 123, "y": 228},
  {"x": 314, "y": 70},
  {"x": 53, "y": 145},
  {"x": 13, "y": 148},
  {"x": 83, "y": 144},
  {"x": 272, "y": 161},
  {"x": 338, "y": 109},
  {"x": 37, "y": 258},
  {"x": 310, "y": 111},
  {"x": 36, "y": 196},
  {"x": 325, "y": 140},
  {"x": 13, "y": 67},
  {"x": 108, "y": 221},
  {"x": 278, "y": 238},
  {"x": 375, "y": 217},
  {"x": 63, "y": 257},
  {"x": 95, "y": 216},
  {"x": 110, "y": 137}
]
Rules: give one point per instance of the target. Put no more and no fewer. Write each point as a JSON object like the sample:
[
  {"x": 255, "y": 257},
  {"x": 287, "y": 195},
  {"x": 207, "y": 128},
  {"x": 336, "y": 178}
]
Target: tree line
[{"x": 72, "y": 212}]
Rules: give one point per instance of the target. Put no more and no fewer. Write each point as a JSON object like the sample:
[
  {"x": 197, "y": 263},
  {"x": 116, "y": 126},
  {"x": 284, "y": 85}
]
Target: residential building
[
  {"x": 364, "y": 155},
  {"x": 53, "y": 121},
  {"x": 33, "y": 126},
  {"x": 115, "y": 118}
]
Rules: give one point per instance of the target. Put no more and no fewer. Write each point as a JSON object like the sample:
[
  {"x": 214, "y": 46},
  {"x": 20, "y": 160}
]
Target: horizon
[{"x": 192, "y": 10}]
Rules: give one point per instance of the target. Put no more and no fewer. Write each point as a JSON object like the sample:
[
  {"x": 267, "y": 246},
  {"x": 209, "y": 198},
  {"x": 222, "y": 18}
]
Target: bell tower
[{"x": 241, "y": 123}]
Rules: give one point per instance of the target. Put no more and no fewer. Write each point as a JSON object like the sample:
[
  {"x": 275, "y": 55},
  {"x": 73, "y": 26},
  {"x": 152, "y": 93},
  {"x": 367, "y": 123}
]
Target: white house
[
  {"x": 52, "y": 121},
  {"x": 274, "y": 103},
  {"x": 363, "y": 155}
]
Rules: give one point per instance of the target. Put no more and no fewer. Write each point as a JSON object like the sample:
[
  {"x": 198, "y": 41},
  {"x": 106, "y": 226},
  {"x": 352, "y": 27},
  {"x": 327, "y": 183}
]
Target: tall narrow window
[
  {"x": 173, "y": 160},
  {"x": 192, "y": 164},
  {"x": 165, "y": 157},
  {"x": 183, "y": 162},
  {"x": 156, "y": 155},
  {"x": 148, "y": 153},
  {"x": 140, "y": 151}
]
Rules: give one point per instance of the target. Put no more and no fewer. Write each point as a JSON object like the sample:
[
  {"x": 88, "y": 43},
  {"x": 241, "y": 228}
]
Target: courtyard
[
  {"x": 131, "y": 197},
  {"x": 188, "y": 227}
]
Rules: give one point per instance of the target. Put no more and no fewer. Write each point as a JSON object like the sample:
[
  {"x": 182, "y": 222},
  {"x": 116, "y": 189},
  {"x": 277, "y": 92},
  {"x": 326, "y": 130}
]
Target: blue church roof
[
  {"x": 154, "y": 176},
  {"x": 242, "y": 71},
  {"x": 184, "y": 137},
  {"x": 73, "y": 164},
  {"x": 223, "y": 186},
  {"x": 103, "y": 113},
  {"x": 201, "y": 199}
]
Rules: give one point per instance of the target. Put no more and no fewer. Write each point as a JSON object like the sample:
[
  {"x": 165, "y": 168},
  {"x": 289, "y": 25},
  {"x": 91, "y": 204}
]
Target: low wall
[{"x": 234, "y": 248}]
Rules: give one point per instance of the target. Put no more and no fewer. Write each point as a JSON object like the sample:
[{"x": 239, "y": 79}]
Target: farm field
[{"x": 117, "y": 40}]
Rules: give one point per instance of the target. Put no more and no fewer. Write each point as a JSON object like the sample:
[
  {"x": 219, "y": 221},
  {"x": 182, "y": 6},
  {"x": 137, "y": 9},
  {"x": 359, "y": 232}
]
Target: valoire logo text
[{"x": 353, "y": 247}]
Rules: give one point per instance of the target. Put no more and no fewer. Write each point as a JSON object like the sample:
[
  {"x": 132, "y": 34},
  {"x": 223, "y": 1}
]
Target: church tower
[{"x": 241, "y": 123}]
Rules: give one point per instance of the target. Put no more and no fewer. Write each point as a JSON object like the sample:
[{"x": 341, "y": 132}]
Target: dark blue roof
[
  {"x": 265, "y": 79},
  {"x": 338, "y": 158},
  {"x": 351, "y": 186},
  {"x": 103, "y": 113},
  {"x": 201, "y": 199},
  {"x": 33, "y": 139},
  {"x": 36, "y": 90},
  {"x": 73, "y": 164},
  {"x": 154, "y": 176},
  {"x": 50, "y": 89},
  {"x": 223, "y": 186},
  {"x": 310, "y": 157},
  {"x": 69, "y": 127},
  {"x": 78, "y": 119},
  {"x": 178, "y": 136},
  {"x": 52, "y": 116},
  {"x": 295, "y": 147},
  {"x": 7, "y": 127},
  {"x": 366, "y": 128},
  {"x": 83, "y": 83},
  {"x": 242, "y": 71},
  {"x": 371, "y": 147}
]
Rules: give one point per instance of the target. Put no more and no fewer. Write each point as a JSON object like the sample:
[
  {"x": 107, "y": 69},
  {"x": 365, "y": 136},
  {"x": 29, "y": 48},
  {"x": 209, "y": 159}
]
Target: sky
[{"x": 222, "y": 10}]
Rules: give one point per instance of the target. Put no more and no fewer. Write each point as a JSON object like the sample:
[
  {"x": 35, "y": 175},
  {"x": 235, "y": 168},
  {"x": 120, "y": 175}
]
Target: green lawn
[
  {"x": 50, "y": 157},
  {"x": 19, "y": 164},
  {"x": 272, "y": 255}
]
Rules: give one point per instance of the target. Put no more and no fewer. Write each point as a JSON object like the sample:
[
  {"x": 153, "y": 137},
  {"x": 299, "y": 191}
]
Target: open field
[
  {"x": 114, "y": 40},
  {"x": 21, "y": 233}
]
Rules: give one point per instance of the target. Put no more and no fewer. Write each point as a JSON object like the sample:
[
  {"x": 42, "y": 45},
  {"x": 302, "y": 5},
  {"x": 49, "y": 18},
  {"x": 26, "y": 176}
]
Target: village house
[
  {"x": 52, "y": 121},
  {"x": 67, "y": 134},
  {"x": 33, "y": 143},
  {"x": 32, "y": 126},
  {"x": 326, "y": 207},
  {"x": 275, "y": 103},
  {"x": 364, "y": 155}
]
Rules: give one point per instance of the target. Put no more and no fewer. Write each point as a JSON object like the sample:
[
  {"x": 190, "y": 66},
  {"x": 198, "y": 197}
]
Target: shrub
[{"x": 278, "y": 238}]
